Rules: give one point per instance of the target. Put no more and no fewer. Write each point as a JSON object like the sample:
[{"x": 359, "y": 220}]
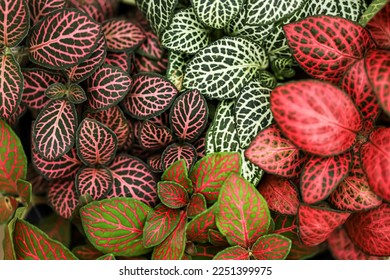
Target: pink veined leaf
[
  {"x": 72, "y": 92},
  {"x": 315, "y": 223},
  {"x": 209, "y": 173},
  {"x": 151, "y": 47},
  {"x": 271, "y": 247},
  {"x": 150, "y": 95},
  {"x": 20, "y": 111},
  {"x": 233, "y": 253},
  {"x": 370, "y": 230},
  {"x": 355, "y": 82},
  {"x": 275, "y": 154},
  {"x": 155, "y": 163},
  {"x": 14, "y": 22},
  {"x": 133, "y": 178},
  {"x": 115, "y": 120},
  {"x": 173, "y": 247},
  {"x": 54, "y": 129},
  {"x": 342, "y": 247},
  {"x": 189, "y": 115},
  {"x": 198, "y": 227},
  {"x": 11, "y": 85},
  {"x": 377, "y": 64},
  {"x": 63, "y": 197},
  {"x": 119, "y": 59},
  {"x": 321, "y": 176},
  {"x": 63, "y": 39},
  {"x": 175, "y": 152},
  {"x": 56, "y": 91},
  {"x": 36, "y": 81},
  {"x": 325, "y": 46},
  {"x": 145, "y": 64},
  {"x": 375, "y": 158},
  {"x": 91, "y": 8},
  {"x": 161, "y": 120},
  {"x": 95, "y": 142},
  {"x": 153, "y": 137},
  {"x": 200, "y": 147},
  {"x": 41, "y": 8},
  {"x": 316, "y": 116},
  {"x": 280, "y": 194},
  {"x": 86, "y": 252},
  {"x": 39, "y": 184},
  {"x": 8, "y": 206},
  {"x": 172, "y": 194},
  {"x": 94, "y": 181},
  {"x": 159, "y": 225},
  {"x": 107, "y": 87},
  {"x": 130, "y": 140},
  {"x": 217, "y": 239},
  {"x": 122, "y": 35},
  {"x": 379, "y": 27},
  {"x": 85, "y": 69},
  {"x": 196, "y": 205},
  {"x": 56, "y": 228},
  {"x": 178, "y": 172}
]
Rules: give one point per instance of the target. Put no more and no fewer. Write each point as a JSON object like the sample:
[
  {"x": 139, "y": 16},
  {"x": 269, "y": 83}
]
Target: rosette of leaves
[{"x": 327, "y": 130}]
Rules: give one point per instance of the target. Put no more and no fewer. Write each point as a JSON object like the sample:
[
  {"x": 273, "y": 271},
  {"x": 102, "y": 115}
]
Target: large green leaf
[
  {"x": 242, "y": 213},
  {"x": 222, "y": 69},
  {"x": 116, "y": 225},
  {"x": 185, "y": 34},
  {"x": 371, "y": 11}
]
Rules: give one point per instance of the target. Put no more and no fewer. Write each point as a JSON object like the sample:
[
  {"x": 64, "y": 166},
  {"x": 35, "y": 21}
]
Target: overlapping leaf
[
  {"x": 24, "y": 189},
  {"x": 325, "y": 47},
  {"x": 63, "y": 197},
  {"x": 172, "y": 194},
  {"x": 155, "y": 163},
  {"x": 379, "y": 27},
  {"x": 41, "y": 8},
  {"x": 231, "y": 59},
  {"x": 151, "y": 47},
  {"x": 94, "y": 181},
  {"x": 63, "y": 39},
  {"x": 56, "y": 91},
  {"x": 178, "y": 172},
  {"x": 233, "y": 253},
  {"x": 176, "y": 67},
  {"x": 271, "y": 247},
  {"x": 314, "y": 121},
  {"x": 149, "y": 96},
  {"x": 175, "y": 152},
  {"x": 196, "y": 205},
  {"x": 349, "y": 9},
  {"x": 14, "y": 22},
  {"x": 197, "y": 229},
  {"x": 153, "y": 137},
  {"x": 126, "y": 216},
  {"x": 8, "y": 206},
  {"x": 145, "y": 64},
  {"x": 371, "y": 11},
  {"x": 217, "y": 239},
  {"x": 119, "y": 59},
  {"x": 76, "y": 94}
]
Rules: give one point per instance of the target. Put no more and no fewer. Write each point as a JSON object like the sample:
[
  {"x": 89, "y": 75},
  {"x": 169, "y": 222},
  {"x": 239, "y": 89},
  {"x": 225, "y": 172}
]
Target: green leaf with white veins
[
  {"x": 177, "y": 62},
  {"x": 349, "y": 9},
  {"x": 186, "y": 34},
  {"x": 222, "y": 69},
  {"x": 268, "y": 11},
  {"x": 371, "y": 11},
  {"x": 217, "y": 13}
]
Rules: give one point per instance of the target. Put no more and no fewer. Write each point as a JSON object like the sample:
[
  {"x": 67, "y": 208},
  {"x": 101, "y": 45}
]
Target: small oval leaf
[
  {"x": 175, "y": 152},
  {"x": 94, "y": 181},
  {"x": 172, "y": 194},
  {"x": 154, "y": 137},
  {"x": 271, "y": 247},
  {"x": 196, "y": 205}
]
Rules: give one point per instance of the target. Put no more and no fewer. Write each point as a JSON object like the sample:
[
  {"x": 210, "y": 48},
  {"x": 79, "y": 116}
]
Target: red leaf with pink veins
[
  {"x": 280, "y": 194},
  {"x": 274, "y": 153},
  {"x": 233, "y": 253},
  {"x": 342, "y": 247},
  {"x": 321, "y": 176},
  {"x": 326, "y": 46},
  {"x": 63, "y": 197},
  {"x": 315, "y": 223},
  {"x": 196, "y": 205},
  {"x": 370, "y": 230},
  {"x": 377, "y": 64},
  {"x": 316, "y": 116},
  {"x": 375, "y": 157},
  {"x": 355, "y": 82},
  {"x": 379, "y": 27}
]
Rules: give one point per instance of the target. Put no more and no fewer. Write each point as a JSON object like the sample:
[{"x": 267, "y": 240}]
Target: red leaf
[
  {"x": 316, "y": 116},
  {"x": 14, "y": 22},
  {"x": 172, "y": 194},
  {"x": 196, "y": 205},
  {"x": 379, "y": 27},
  {"x": 271, "y": 247},
  {"x": 377, "y": 64},
  {"x": 274, "y": 153},
  {"x": 375, "y": 157},
  {"x": 317, "y": 223},
  {"x": 94, "y": 181},
  {"x": 63, "y": 197},
  {"x": 325, "y": 46},
  {"x": 178, "y": 172},
  {"x": 41, "y": 8},
  {"x": 175, "y": 152},
  {"x": 370, "y": 230},
  {"x": 280, "y": 194},
  {"x": 198, "y": 227},
  {"x": 320, "y": 176},
  {"x": 153, "y": 137},
  {"x": 217, "y": 239},
  {"x": 233, "y": 253}
]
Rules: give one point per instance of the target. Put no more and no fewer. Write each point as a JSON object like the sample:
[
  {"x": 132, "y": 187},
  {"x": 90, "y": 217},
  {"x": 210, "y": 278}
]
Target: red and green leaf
[
  {"x": 196, "y": 205},
  {"x": 321, "y": 176},
  {"x": 54, "y": 129},
  {"x": 274, "y": 153},
  {"x": 325, "y": 46},
  {"x": 24, "y": 189},
  {"x": 175, "y": 152},
  {"x": 377, "y": 64},
  {"x": 95, "y": 142},
  {"x": 33, "y": 244},
  {"x": 133, "y": 178},
  {"x": 315, "y": 223},
  {"x": 189, "y": 115},
  {"x": 125, "y": 216},
  {"x": 86, "y": 252},
  {"x": 8, "y": 205},
  {"x": 242, "y": 214},
  {"x": 316, "y": 116},
  {"x": 107, "y": 87},
  {"x": 379, "y": 27},
  {"x": 197, "y": 229},
  {"x": 150, "y": 95},
  {"x": 122, "y": 35},
  {"x": 41, "y": 8},
  {"x": 280, "y": 194},
  {"x": 14, "y": 22},
  {"x": 173, "y": 247},
  {"x": 63, "y": 39},
  {"x": 233, "y": 253},
  {"x": 217, "y": 239},
  {"x": 63, "y": 197},
  {"x": 154, "y": 137},
  {"x": 370, "y": 230},
  {"x": 375, "y": 158},
  {"x": 56, "y": 228},
  {"x": 56, "y": 91},
  {"x": 178, "y": 172},
  {"x": 159, "y": 224},
  {"x": 107, "y": 257},
  {"x": 11, "y": 85},
  {"x": 271, "y": 247},
  {"x": 96, "y": 182},
  {"x": 209, "y": 173},
  {"x": 172, "y": 194}
]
